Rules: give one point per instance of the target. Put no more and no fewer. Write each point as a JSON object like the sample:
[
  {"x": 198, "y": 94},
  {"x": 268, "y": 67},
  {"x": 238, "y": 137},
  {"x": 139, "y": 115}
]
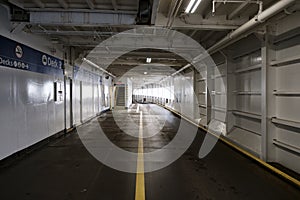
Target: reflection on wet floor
[
  {"x": 64, "y": 169},
  {"x": 121, "y": 127}
]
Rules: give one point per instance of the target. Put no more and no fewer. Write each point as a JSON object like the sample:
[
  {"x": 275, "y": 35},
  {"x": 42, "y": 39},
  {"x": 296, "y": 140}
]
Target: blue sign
[{"x": 19, "y": 56}]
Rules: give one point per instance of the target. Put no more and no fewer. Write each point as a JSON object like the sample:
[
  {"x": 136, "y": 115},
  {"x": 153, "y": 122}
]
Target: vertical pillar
[
  {"x": 266, "y": 93},
  {"x": 264, "y": 133}
]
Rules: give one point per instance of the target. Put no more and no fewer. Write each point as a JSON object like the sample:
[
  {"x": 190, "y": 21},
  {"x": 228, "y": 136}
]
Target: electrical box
[{"x": 58, "y": 91}]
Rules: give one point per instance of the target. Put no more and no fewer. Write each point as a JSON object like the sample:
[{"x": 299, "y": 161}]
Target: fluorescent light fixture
[
  {"x": 195, "y": 6},
  {"x": 192, "y": 7},
  {"x": 148, "y": 60},
  {"x": 189, "y": 7}
]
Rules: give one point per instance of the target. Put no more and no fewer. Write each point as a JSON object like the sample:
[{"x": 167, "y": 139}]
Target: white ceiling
[{"x": 84, "y": 24}]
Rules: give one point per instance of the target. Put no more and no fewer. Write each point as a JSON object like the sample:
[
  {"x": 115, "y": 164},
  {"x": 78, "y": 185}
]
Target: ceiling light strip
[
  {"x": 189, "y": 7},
  {"x": 195, "y": 6}
]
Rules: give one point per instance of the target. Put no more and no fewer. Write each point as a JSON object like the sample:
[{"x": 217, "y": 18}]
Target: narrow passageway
[
  {"x": 149, "y": 100},
  {"x": 64, "y": 169}
]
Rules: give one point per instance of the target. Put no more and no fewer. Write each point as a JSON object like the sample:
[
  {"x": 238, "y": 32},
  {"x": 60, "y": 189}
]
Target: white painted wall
[
  {"x": 244, "y": 81},
  {"x": 128, "y": 93},
  {"x": 28, "y": 111},
  {"x": 91, "y": 92},
  {"x": 179, "y": 91}
]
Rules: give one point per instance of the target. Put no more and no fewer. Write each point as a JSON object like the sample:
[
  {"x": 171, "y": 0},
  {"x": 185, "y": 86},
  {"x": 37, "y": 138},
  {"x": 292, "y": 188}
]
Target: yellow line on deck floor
[
  {"x": 140, "y": 176},
  {"x": 226, "y": 141}
]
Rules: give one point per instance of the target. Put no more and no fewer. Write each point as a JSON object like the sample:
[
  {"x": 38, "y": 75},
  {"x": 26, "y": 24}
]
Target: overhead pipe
[
  {"x": 170, "y": 13},
  {"x": 177, "y": 72},
  {"x": 176, "y": 12},
  {"x": 98, "y": 67},
  {"x": 258, "y": 19},
  {"x": 255, "y": 21},
  {"x": 181, "y": 69}
]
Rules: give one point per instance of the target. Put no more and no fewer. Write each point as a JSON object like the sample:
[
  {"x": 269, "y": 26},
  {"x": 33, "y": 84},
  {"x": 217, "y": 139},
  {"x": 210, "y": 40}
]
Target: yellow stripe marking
[
  {"x": 263, "y": 163},
  {"x": 140, "y": 177}
]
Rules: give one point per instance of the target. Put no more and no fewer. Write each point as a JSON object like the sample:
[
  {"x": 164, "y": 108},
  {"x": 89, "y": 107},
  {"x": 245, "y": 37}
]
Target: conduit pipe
[
  {"x": 170, "y": 13},
  {"x": 258, "y": 19},
  {"x": 251, "y": 24},
  {"x": 98, "y": 67},
  {"x": 174, "y": 15},
  {"x": 180, "y": 70}
]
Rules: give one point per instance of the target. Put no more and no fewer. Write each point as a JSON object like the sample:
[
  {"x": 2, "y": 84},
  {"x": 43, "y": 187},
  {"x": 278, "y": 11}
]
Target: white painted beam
[
  {"x": 17, "y": 3},
  {"x": 17, "y": 27},
  {"x": 195, "y": 22},
  {"x": 76, "y": 32},
  {"x": 81, "y": 18},
  {"x": 84, "y": 10}
]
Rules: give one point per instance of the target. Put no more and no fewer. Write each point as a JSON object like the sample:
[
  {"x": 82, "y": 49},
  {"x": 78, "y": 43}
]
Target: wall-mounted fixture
[{"x": 58, "y": 91}]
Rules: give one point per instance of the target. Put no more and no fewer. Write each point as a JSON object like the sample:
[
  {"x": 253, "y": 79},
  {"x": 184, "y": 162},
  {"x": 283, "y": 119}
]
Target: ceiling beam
[
  {"x": 135, "y": 63},
  {"x": 67, "y": 18},
  {"x": 162, "y": 68},
  {"x": 76, "y": 32},
  {"x": 82, "y": 10},
  {"x": 138, "y": 54},
  {"x": 17, "y": 27},
  {"x": 154, "y": 11},
  {"x": 17, "y": 3},
  {"x": 81, "y": 6},
  {"x": 196, "y": 22},
  {"x": 63, "y": 3}
]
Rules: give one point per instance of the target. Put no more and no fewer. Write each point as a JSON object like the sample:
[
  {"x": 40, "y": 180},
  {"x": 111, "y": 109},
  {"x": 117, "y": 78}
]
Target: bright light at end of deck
[{"x": 148, "y": 60}]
